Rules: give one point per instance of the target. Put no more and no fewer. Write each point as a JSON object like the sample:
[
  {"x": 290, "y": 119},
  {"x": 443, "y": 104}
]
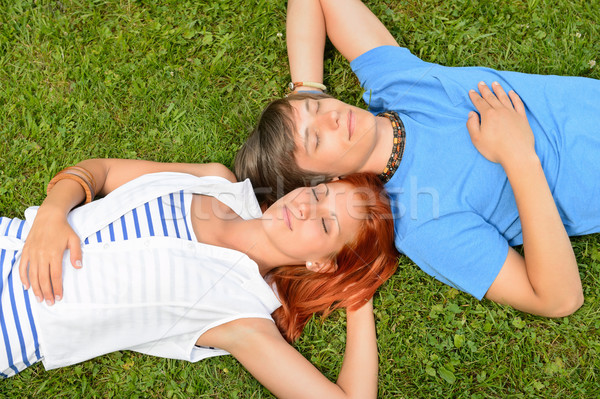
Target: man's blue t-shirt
[{"x": 455, "y": 212}]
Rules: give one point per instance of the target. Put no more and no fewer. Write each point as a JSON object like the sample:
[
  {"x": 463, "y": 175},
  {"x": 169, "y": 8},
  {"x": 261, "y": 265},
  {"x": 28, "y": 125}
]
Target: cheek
[
  {"x": 312, "y": 240},
  {"x": 332, "y": 155},
  {"x": 305, "y": 162}
]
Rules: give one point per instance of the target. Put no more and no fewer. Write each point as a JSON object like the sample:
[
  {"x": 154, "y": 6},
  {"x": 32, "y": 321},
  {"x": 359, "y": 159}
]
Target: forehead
[
  {"x": 348, "y": 202},
  {"x": 299, "y": 132},
  {"x": 298, "y": 113}
]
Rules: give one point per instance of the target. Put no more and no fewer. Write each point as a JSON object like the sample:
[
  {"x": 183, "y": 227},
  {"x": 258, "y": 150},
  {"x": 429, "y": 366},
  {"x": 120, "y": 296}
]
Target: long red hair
[{"x": 362, "y": 266}]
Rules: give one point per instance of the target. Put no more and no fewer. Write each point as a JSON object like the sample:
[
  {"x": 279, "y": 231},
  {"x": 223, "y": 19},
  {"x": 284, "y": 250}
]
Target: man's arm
[
  {"x": 546, "y": 281},
  {"x": 350, "y": 25}
]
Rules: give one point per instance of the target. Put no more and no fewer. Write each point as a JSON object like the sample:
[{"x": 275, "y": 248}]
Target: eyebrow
[{"x": 306, "y": 129}]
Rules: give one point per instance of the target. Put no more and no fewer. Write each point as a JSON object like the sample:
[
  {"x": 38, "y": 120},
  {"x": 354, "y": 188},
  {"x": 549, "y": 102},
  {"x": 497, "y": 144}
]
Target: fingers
[
  {"x": 55, "y": 283},
  {"x": 45, "y": 276},
  {"x": 479, "y": 102},
  {"x": 28, "y": 271},
  {"x": 473, "y": 124},
  {"x": 74, "y": 246},
  {"x": 488, "y": 95},
  {"x": 488, "y": 98},
  {"x": 23, "y": 263},
  {"x": 496, "y": 98},
  {"x": 517, "y": 103},
  {"x": 500, "y": 94},
  {"x": 45, "y": 279},
  {"x": 33, "y": 281},
  {"x": 49, "y": 274}
]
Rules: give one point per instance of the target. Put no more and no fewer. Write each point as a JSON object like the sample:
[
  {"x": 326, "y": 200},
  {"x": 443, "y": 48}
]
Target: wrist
[
  {"x": 63, "y": 197},
  {"x": 307, "y": 90},
  {"x": 307, "y": 86},
  {"x": 519, "y": 162},
  {"x": 365, "y": 309},
  {"x": 51, "y": 210}
]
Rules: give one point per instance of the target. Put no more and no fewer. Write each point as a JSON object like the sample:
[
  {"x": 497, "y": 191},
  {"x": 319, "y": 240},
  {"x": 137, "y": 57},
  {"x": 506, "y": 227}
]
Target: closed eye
[
  {"x": 315, "y": 194},
  {"x": 324, "y": 227}
]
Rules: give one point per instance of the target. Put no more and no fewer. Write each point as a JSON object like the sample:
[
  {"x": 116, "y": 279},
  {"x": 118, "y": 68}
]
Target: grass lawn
[{"x": 184, "y": 80}]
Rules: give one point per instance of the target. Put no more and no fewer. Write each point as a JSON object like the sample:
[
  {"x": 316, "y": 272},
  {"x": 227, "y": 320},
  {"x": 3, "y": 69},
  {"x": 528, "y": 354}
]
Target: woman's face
[
  {"x": 332, "y": 137},
  {"x": 312, "y": 224}
]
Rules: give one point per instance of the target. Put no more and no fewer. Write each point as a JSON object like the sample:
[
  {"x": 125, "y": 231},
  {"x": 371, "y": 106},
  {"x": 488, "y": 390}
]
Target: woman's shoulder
[{"x": 217, "y": 169}]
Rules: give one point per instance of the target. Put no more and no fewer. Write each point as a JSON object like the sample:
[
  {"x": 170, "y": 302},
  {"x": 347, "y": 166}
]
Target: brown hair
[
  {"x": 267, "y": 157},
  {"x": 362, "y": 266}
]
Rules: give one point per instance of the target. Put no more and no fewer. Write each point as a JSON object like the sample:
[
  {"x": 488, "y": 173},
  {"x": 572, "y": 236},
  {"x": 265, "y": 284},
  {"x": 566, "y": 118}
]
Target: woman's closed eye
[
  {"x": 322, "y": 219},
  {"x": 324, "y": 226}
]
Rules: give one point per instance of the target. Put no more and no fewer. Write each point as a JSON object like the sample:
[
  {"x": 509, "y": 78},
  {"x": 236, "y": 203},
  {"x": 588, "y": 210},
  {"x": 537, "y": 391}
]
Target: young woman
[
  {"x": 456, "y": 214},
  {"x": 183, "y": 264}
]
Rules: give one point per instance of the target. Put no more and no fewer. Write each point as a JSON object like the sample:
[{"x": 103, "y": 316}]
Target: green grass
[{"x": 184, "y": 81}]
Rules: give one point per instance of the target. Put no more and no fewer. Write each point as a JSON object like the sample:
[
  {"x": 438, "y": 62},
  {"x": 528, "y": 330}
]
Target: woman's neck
[
  {"x": 214, "y": 223},
  {"x": 248, "y": 237}
]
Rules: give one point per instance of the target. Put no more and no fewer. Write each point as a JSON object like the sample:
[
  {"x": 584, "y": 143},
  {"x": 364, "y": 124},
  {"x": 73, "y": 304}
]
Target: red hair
[{"x": 362, "y": 266}]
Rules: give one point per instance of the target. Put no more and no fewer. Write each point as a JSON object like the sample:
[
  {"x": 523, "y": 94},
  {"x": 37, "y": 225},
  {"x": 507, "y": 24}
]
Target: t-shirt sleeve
[
  {"x": 461, "y": 250},
  {"x": 382, "y": 69}
]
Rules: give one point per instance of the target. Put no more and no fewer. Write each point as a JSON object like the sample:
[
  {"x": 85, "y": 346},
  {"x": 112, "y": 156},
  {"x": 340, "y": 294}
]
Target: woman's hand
[
  {"x": 503, "y": 135},
  {"x": 41, "y": 261}
]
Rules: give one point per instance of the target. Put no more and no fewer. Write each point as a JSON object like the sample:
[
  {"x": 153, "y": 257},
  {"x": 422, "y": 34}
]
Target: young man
[{"x": 456, "y": 213}]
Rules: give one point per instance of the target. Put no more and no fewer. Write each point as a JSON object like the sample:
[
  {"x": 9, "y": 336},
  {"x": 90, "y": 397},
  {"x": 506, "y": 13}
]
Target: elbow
[{"x": 567, "y": 306}]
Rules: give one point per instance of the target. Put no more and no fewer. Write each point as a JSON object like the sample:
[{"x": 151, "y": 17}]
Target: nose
[
  {"x": 331, "y": 119},
  {"x": 308, "y": 207},
  {"x": 305, "y": 210}
]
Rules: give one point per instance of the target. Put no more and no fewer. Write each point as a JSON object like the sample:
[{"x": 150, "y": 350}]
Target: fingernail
[
  {"x": 38, "y": 299},
  {"x": 495, "y": 83},
  {"x": 58, "y": 297},
  {"x": 78, "y": 263},
  {"x": 482, "y": 83},
  {"x": 49, "y": 302}
]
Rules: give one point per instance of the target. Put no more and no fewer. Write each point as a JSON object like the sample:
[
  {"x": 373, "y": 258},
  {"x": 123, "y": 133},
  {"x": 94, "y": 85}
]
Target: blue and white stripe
[
  {"x": 19, "y": 347},
  {"x": 166, "y": 216}
]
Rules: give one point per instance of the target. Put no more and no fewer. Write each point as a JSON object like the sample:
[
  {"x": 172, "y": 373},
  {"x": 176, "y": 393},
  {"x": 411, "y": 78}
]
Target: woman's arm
[
  {"x": 112, "y": 173},
  {"x": 258, "y": 345},
  {"x": 546, "y": 281},
  {"x": 40, "y": 266},
  {"x": 351, "y": 26}
]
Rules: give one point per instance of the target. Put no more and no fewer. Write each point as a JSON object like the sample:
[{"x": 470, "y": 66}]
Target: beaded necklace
[{"x": 397, "y": 149}]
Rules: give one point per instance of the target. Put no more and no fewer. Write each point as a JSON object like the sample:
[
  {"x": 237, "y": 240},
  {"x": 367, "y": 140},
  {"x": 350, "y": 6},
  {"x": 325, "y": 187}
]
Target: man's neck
[{"x": 383, "y": 146}]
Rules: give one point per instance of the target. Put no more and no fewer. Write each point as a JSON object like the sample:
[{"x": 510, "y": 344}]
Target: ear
[{"x": 326, "y": 266}]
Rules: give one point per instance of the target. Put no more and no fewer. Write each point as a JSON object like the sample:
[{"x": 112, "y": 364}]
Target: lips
[
  {"x": 286, "y": 217},
  {"x": 350, "y": 124}
]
